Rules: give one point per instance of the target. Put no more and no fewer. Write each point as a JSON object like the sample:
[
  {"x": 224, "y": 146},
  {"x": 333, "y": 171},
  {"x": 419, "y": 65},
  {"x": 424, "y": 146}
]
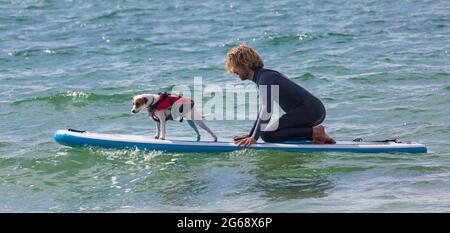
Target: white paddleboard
[{"x": 121, "y": 141}]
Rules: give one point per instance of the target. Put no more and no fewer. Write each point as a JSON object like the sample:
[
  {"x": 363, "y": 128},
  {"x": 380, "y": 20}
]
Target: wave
[
  {"x": 440, "y": 75},
  {"x": 307, "y": 37},
  {"x": 385, "y": 76},
  {"x": 125, "y": 154},
  {"x": 287, "y": 39},
  {"x": 74, "y": 96},
  {"x": 106, "y": 16},
  {"x": 39, "y": 51},
  {"x": 3, "y": 144},
  {"x": 305, "y": 77},
  {"x": 118, "y": 13}
]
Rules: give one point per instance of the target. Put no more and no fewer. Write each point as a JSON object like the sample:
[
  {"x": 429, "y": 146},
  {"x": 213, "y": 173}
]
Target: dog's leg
[
  {"x": 191, "y": 123},
  {"x": 203, "y": 126},
  {"x": 162, "y": 123},
  {"x": 158, "y": 131},
  {"x": 199, "y": 121}
]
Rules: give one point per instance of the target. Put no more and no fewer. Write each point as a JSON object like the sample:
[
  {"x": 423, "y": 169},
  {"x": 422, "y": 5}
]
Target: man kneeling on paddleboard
[{"x": 303, "y": 111}]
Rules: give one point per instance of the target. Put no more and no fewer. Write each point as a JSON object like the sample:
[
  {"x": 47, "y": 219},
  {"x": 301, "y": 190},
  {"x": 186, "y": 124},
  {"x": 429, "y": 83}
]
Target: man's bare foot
[
  {"x": 321, "y": 137},
  {"x": 318, "y": 135}
]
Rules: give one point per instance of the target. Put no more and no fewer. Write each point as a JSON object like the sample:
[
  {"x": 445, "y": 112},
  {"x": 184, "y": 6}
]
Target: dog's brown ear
[{"x": 135, "y": 99}]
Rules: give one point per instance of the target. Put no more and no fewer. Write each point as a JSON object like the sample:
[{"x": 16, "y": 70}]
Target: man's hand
[
  {"x": 237, "y": 137},
  {"x": 245, "y": 141}
]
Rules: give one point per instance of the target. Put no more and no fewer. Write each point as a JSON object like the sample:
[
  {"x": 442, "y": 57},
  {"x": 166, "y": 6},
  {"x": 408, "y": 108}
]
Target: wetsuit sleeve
[
  {"x": 265, "y": 113},
  {"x": 254, "y": 126}
]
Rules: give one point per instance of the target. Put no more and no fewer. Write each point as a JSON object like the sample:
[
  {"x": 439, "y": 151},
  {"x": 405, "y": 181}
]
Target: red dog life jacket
[{"x": 166, "y": 101}]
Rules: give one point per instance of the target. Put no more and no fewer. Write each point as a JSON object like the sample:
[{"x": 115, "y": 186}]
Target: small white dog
[{"x": 164, "y": 106}]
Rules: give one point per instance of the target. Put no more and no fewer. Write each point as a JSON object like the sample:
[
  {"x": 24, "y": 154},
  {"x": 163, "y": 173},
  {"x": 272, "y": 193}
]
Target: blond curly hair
[{"x": 243, "y": 56}]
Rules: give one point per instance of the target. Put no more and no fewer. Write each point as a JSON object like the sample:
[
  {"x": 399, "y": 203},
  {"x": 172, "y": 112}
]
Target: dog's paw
[
  {"x": 215, "y": 139},
  {"x": 162, "y": 138},
  {"x": 156, "y": 137}
]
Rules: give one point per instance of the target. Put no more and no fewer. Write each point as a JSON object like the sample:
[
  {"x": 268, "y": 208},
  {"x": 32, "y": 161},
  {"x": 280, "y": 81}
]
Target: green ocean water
[{"x": 382, "y": 69}]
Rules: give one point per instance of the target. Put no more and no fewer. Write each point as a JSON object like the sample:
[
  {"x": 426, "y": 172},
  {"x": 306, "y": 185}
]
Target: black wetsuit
[{"x": 302, "y": 109}]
